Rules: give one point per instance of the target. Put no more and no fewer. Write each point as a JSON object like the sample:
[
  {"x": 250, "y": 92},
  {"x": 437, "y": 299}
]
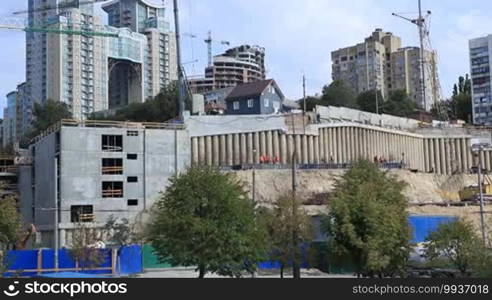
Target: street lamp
[{"x": 477, "y": 152}]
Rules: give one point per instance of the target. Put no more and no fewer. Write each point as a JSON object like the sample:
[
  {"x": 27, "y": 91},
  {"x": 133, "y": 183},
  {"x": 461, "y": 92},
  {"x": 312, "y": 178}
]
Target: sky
[{"x": 298, "y": 35}]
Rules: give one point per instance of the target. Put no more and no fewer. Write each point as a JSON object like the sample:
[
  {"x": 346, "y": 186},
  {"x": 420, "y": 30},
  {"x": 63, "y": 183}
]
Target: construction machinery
[
  {"x": 209, "y": 41},
  {"x": 472, "y": 192}
]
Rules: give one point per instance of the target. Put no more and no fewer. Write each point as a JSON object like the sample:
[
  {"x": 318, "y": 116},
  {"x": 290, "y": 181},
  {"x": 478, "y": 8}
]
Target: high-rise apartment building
[
  {"x": 91, "y": 72},
  {"x": 239, "y": 65},
  {"x": 380, "y": 63},
  {"x": 480, "y": 53}
]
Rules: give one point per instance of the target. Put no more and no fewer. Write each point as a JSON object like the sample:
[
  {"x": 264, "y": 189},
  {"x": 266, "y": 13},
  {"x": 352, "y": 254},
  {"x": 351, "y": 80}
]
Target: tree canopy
[
  {"x": 459, "y": 106},
  {"x": 368, "y": 221},
  {"x": 339, "y": 93},
  {"x": 161, "y": 108},
  {"x": 399, "y": 104},
  {"x": 366, "y": 101},
  {"x": 289, "y": 212},
  {"x": 205, "y": 219}
]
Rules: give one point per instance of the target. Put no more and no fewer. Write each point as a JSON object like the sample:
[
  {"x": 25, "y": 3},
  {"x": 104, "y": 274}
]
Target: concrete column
[
  {"x": 201, "y": 150},
  {"x": 321, "y": 144},
  {"x": 469, "y": 154},
  {"x": 269, "y": 144},
  {"x": 230, "y": 150},
  {"x": 244, "y": 149},
  {"x": 250, "y": 151},
  {"x": 208, "y": 150},
  {"x": 215, "y": 150},
  {"x": 276, "y": 144},
  {"x": 237, "y": 149},
  {"x": 437, "y": 153},
  {"x": 194, "y": 151},
  {"x": 339, "y": 146},
  {"x": 298, "y": 146},
  {"x": 316, "y": 149},
  {"x": 263, "y": 148},
  {"x": 256, "y": 147},
  {"x": 223, "y": 150},
  {"x": 426, "y": 155},
  {"x": 442, "y": 153},
  {"x": 348, "y": 144},
  {"x": 459, "y": 161},
  {"x": 482, "y": 155},
  {"x": 305, "y": 150},
  {"x": 330, "y": 134},
  {"x": 283, "y": 148},
  {"x": 432, "y": 162},
  {"x": 291, "y": 144}
]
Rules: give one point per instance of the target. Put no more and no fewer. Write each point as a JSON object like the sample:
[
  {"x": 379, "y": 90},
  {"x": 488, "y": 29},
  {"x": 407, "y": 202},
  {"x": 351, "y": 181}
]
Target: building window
[
  {"x": 132, "y": 156},
  {"x": 132, "y": 133},
  {"x": 112, "y": 166},
  {"x": 132, "y": 179},
  {"x": 112, "y": 189},
  {"x": 132, "y": 202},
  {"x": 235, "y": 105},
  {"x": 251, "y": 103},
  {"x": 267, "y": 102},
  {"x": 112, "y": 143},
  {"x": 81, "y": 213}
]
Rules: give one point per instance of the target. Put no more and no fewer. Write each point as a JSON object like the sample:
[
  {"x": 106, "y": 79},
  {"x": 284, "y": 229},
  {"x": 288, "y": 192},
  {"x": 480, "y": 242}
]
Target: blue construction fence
[
  {"x": 315, "y": 254},
  {"x": 126, "y": 260}
]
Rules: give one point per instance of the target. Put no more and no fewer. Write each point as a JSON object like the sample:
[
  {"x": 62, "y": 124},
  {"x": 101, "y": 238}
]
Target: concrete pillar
[
  {"x": 208, "y": 150},
  {"x": 348, "y": 140},
  {"x": 244, "y": 149},
  {"x": 305, "y": 149},
  {"x": 317, "y": 157},
  {"x": 237, "y": 149},
  {"x": 291, "y": 144},
  {"x": 330, "y": 154},
  {"x": 327, "y": 144},
  {"x": 432, "y": 162},
  {"x": 482, "y": 156},
  {"x": 256, "y": 147},
  {"x": 339, "y": 146},
  {"x": 298, "y": 145},
  {"x": 250, "y": 147},
  {"x": 263, "y": 148},
  {"x": 215, "y": 150},
  {"x": 276, "y": 144},
  {"x": 321, "y": 144},
  {"x": 311, "y": 149},
  {"x": 223, "y": 150},
  {"x": 459, "y": 161},
  {"x": 230, "y": 150},
  {"x": 283, "y": 148},
  {"x": 269, "y": 144},
  {"x": 201, "y": 150},
  {"x": 469, "y": 154},
  {"x": 426, "y": 155},
  {"x": 442, "y": 154},
  {"x": 194, "y": 151}
]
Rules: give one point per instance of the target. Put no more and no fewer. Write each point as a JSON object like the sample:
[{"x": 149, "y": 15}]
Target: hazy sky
[{"x": 298, "y": 34}]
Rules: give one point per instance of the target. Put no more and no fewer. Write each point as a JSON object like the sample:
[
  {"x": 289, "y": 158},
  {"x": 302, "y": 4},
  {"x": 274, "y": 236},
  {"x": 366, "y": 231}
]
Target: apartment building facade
[
  {"x": 480, "y": 53},
  {"x": 101, "y": 170},
  {"x": 94, "y": 72},
  {"x": 239, "y": 65},
  {"x": 380, "y": 63}
]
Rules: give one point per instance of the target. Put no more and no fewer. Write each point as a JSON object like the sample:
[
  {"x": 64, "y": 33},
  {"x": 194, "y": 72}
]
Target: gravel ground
[{"x": 190, "y": 273}]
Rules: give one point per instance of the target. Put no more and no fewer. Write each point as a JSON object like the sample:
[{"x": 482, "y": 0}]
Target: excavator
[
  {"x": 472, "y": 192},
  {"x": 30, "y": 231}
]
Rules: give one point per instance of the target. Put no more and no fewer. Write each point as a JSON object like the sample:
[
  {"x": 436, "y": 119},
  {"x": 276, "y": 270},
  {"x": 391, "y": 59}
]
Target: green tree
[
  {"x": 459, "y": 106},
  {"x": 10, "y": 228},
  {"x": 46, "y": 115},
  {"x": 366, "y": 101},
  {"x": 339, "y": 93},
  {"x": 161, "y": 108},
  {"x": 119, "y": 232},
  {"x": 83, "y": 248},
  {"x": 399, "y": 104},
  {"x": 289, "y": 212},
  {"x": 311, "y": 103},
  {"x": 205, "y": 219},
  {"x": 457, "y": 242},
  {"x": 368, "y": 221}
]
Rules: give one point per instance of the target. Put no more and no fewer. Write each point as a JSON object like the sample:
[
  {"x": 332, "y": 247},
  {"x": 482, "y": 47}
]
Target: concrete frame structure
[
  {"x": 242, "y": 64},
  {"x": 148, "y": 154}
]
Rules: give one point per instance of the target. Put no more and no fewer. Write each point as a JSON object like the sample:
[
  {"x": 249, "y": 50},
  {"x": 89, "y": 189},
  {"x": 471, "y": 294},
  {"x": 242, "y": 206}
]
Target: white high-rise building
[
  {"x": 480, "y": 53},
  {"x": 130, "y": 63}
]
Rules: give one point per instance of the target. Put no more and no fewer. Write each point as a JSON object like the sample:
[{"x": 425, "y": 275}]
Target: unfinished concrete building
[{"x": 95, "y": 170}]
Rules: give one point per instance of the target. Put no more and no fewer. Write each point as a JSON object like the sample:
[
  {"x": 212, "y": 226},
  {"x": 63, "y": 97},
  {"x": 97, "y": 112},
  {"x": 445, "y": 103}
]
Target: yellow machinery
[{"x": 472, "y": 192}]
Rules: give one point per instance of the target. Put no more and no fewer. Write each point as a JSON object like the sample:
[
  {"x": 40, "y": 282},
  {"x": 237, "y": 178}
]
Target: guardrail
[{"x": 107, "y": 124}]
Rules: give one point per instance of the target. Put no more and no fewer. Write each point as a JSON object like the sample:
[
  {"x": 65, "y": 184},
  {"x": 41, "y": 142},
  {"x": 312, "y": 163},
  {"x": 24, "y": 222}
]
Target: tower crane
[
  {"x": 209, "y": 42},
  {"x": 421, "y": 24}
]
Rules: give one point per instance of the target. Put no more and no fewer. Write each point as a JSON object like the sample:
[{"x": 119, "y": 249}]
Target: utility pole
[
  {"x": 420, "y": 24},
  {"x": 480, "y": 187},
  {"x": 296, "y": 271},
  {"x": 181, "y": 95},
  {"x": 56, "y": 238}
]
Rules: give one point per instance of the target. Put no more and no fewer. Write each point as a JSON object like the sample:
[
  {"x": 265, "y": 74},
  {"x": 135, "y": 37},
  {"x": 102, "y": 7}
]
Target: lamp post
[{"x": 477, "y": 151}]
